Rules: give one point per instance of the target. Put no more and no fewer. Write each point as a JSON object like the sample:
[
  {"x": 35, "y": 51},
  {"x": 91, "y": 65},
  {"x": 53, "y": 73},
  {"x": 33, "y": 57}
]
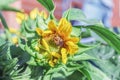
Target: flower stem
[
  {"x": 52, "y": 15},
  {"x": 8, "y": 34}
]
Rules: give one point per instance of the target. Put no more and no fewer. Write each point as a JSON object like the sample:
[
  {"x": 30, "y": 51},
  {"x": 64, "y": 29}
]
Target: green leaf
[
  {"x": 40, "y": 22},
  {"x": 8, "y": 34},
  {"x": 58, "y": 76},
  {"x": 11, "y": 64},
  {"x": 73, "y": 67},
  {"x": 37, "y": 73},
  {"x": 83, "y": 48},
  {"x": 3, "y": 21},
  {"x": 111, "y": 38},
  {"x": 74, "y": 14},
  {"x": 21, "y": 74},
  {"x": 96, "y": 74},
  {"x": 29, "y": 50},
  {"x": 28, "y": 29},
  {"x": 109, "y": 62},
  {"x": 55, "y": 69},
  {"x": 22, "y": 46},
  {"x": 3, "y": 49},
  {"x": 86, "y": 73},
  {"x": 78, "y": 15},
  {"x": 9, "y": 8},
  {"x": 75, "y": 31},
  {"x": 77, "y": 75},
  {"x": 81, "y": 57},
  {"x": 2, "y": 41},
  {"x": 32, "y": 61},
  {"x": 47, "y": 77},
  {"x": 48, "y": 4}
]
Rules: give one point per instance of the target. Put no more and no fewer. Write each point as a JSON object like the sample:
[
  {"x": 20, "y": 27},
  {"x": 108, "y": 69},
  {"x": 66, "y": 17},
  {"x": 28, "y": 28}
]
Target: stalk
[{"x": 8, "y": 34}]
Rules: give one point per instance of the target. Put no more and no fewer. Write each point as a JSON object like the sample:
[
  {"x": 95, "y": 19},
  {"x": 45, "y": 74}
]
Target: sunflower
[
  {"x": 57, "y": 42},
  {"x": 35, "y": 12},
  {"x": 15, "y": 33},
  {"x": 21, "y": 17}
]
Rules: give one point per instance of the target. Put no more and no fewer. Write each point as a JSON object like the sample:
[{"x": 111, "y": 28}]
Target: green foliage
[
  {"x": 10, "y": 64},
  {"x": 5, "y": 26},
  {"x": 82, "y": 57},
  {"x": 3, "y": 21},
  {"x": 111, "y": 38},
  {"x": 48, "y": 4},
  {"x": 76, "y": 31},
  {"x": 109, "y": 60},
  {"x": 78, "y": 14},
  {"x": 9, "y": 8},
  {"x": 84, "y": 48},
  {"x": 96, "y": 74},
  {"x": 21, "y": 61}
]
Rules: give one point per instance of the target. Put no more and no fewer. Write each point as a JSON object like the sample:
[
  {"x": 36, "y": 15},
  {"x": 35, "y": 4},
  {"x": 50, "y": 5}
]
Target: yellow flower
[
  {"x": 43, "y": 14},
  {"x": 45, "y": 45},
  {"x": 58, "y": 41},
  {"x": 35, "y": 12},
  {"x": 21, "y": 17},
  {"x": 12, "y": 30},
  {"x": 64, "y": 55},
  {"x": 51, "y": 63},
  {"x": 15, "y": 40},
  {"x": 14, "y": 33},
  {"x": 36, "y": 48}
]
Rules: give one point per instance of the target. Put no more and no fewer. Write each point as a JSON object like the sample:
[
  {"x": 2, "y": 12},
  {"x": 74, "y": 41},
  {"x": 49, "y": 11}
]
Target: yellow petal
[
  {"x": 65, "y": 27},
  {"x": 20, "y": 17},
  {"x": 12, "y": 30},
  {"x": 72, "y": 48},
  {"x": 55, "y": 60},
  {"x": 51, "y": 63},
  {"x": 57, "y": 55},
  {"x": 43, "y": 14},
  {"x": 34, "y": 13},
  {"x": 37, "y": 48},
  {"x": 64, "y": 55},
  {"x": 74, "y": 39},
  {"x": 39, "y": 31},
  {"x": 44, "y": 43},
  {"x": 46, "y": 33},
  {"x": 19, "y": 21},
  {"x": 15, "y": 40},
  {"x": 52, "y": 26}
]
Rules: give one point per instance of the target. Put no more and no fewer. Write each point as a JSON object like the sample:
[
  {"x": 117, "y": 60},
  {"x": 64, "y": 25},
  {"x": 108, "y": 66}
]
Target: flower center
[{"x": 58, "y": 40}]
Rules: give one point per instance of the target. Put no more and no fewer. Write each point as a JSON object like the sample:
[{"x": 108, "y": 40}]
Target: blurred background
[{"x": 108, "y": 11}]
